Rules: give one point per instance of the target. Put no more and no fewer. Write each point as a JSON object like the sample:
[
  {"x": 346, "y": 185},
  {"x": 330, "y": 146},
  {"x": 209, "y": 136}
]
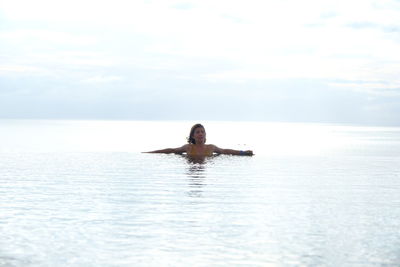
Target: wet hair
[{"x": 194, "y": 127}]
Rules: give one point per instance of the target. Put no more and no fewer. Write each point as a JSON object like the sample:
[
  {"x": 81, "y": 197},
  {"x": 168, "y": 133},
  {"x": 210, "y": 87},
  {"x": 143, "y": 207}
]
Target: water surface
[{"x": 77, "y": 193}]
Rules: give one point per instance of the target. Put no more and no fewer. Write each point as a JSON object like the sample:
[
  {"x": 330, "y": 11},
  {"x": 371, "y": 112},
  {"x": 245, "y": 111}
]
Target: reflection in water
[{"x": 196, "y": 174}]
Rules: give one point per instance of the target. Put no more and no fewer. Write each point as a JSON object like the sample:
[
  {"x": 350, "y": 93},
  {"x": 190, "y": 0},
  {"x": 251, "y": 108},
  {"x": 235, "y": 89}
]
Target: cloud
[
  {"x": 184, "y": 6},
  {"x": 133, "y": 51},
  {"x": 102, "y": 79},
  {"x": 374, "y": 88},
  {"x": 7, "y": 69},
  {"x": 28, "y": 36}
]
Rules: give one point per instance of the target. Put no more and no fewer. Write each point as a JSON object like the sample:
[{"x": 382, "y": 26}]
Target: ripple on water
[{"x": 119, "y": 209}]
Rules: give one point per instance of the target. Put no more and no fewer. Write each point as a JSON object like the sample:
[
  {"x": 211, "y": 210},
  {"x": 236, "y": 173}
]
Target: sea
[{"x": 82, "y": 193}]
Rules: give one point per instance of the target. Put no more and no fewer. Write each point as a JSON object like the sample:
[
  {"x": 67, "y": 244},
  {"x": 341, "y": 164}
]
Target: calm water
[{"x": 80, "y": 193}]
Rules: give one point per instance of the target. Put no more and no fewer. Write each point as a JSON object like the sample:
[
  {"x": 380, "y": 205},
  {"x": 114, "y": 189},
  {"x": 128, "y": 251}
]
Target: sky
[{"x": 331, "y": 61}]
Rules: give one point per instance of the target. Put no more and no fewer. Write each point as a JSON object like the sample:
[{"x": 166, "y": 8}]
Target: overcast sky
[{"x": 303, "y": 61}]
